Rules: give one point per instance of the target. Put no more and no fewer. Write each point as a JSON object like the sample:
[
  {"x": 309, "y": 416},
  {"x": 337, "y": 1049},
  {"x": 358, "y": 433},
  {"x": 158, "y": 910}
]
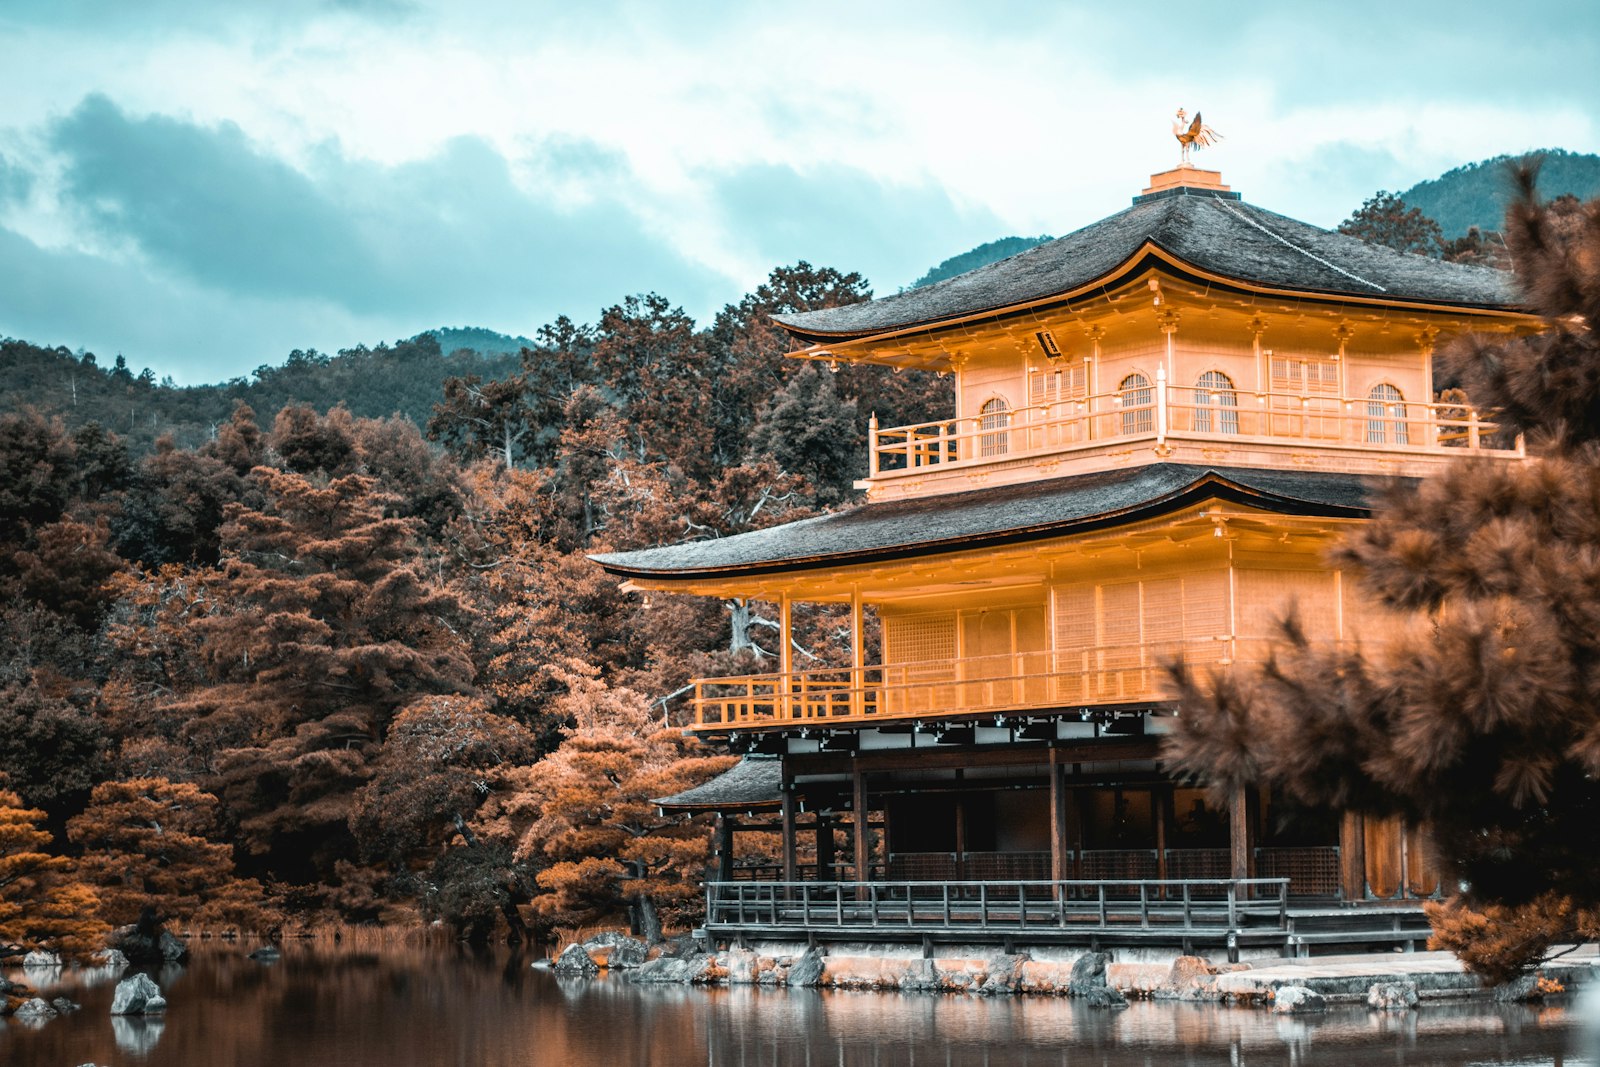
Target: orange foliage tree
[
  {"x": 42, "y": 903},
  {"x": 152, "y": 843},
  {"x": 584, "y": 814}
]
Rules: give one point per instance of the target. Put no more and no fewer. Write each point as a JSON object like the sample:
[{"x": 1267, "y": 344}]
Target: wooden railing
[
  {"x": 1163, "y": 410},
  {"x": 1181, "y": 908},
  {"x": 1108, "y": 674}
]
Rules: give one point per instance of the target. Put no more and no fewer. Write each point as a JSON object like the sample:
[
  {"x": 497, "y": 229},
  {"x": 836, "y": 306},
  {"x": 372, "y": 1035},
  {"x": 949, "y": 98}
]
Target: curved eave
[
  {"x": 1148, "y": 252},
  {"x": 1211, "y": 486}
]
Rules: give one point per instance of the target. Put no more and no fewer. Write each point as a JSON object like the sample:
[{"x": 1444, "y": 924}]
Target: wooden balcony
[
  {"x": 1253, "y": 425},
  {"x": 1106, "y": 675}
]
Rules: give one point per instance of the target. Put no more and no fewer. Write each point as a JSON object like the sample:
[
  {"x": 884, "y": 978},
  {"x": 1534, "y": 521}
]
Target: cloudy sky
[{"x": 204, "y": 186}]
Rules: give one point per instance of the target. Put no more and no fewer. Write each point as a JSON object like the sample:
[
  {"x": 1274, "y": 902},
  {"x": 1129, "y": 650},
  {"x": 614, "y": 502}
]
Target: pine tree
[
  {"x": 42, "y": 902},
  {"x": 1481, "y": 718}
]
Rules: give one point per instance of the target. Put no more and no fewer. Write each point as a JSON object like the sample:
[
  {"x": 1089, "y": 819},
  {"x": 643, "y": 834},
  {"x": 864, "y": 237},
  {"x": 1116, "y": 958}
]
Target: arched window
[
  {"x": 1214, "y": 395},
  {"x": 1386, "y": 416},
  {"x": 994, "y": 415},
  {"x": 1136, "y": 398}
]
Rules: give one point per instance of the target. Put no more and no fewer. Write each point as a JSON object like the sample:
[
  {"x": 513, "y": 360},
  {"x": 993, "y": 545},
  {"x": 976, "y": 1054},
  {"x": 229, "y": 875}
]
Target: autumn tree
[
  {"x": 1384, "y": 219},
  {"x": 583, "y": 815},
  {"x": 51, "y": 751},
  {"x": 151, "y": 843},
  {"x": 1481, "y": 719},
  {"x": 41, "y": 902}
]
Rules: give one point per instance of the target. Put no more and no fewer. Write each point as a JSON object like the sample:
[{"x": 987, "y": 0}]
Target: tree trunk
[{"x": 649, "y": 919}]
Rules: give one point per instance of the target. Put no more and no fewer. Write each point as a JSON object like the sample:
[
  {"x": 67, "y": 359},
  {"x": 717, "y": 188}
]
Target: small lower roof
[
  {"x": 921, "y": 526},
  {"x": 755, "y": 783}
]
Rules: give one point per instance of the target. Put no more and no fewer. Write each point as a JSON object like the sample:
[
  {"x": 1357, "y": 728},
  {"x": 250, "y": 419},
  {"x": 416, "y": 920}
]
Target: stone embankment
[{"x": 1395, "y": 982}]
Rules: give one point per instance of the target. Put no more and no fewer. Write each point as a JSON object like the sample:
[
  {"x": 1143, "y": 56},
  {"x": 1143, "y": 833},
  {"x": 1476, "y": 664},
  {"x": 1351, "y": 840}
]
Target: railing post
[
  {"x": 1472, "y": 430},
  {"x": 1233, "y": 904},
  {"x": 1102, "y": 888},
  {"x": 1161, "y": 405},
  {"x": 872, "y": 447}
]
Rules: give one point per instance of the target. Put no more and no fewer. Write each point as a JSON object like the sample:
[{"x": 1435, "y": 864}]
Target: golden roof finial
[{"x": 1194, "y": 134}]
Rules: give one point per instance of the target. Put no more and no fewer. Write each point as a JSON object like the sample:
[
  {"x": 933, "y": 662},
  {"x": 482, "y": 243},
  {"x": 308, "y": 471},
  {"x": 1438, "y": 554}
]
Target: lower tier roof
[{"x": 922, "y": 526}]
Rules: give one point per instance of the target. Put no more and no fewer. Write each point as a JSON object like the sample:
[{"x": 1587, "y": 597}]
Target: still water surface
[{"x": 443, "y": 1005}]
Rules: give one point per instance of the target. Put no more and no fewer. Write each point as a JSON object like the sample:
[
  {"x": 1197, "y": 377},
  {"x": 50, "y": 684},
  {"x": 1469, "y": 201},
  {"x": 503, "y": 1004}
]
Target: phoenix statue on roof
[{"x": 1194, "y": 134}]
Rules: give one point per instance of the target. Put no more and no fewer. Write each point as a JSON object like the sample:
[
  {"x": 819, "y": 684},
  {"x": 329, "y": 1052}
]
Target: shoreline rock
[{"x": 138, "y": 995}]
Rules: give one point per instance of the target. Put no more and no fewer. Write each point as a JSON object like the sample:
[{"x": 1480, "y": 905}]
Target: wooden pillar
[
  {"x": 1239, "y": 832},
  {"x": 1060, "y": 835},
  {"x": 824, "y": 848},
  {"x": 785, "y": 655},
  {"x": 1160, "y": 799},
  {"x": 858, "y": 654},
  {"x": 725, "y": 824},
  {"x": 1352, "y": 856},
  {"x": 961, "y": 836},
  {"x": 863, "y": 832},
  {"x": 789, "y": 873}
]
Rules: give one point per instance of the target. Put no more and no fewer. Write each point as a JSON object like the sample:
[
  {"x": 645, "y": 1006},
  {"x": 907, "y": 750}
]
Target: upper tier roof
[
  {"x": 923, "y": 526},
  {"x": 1216, "y": 235}
]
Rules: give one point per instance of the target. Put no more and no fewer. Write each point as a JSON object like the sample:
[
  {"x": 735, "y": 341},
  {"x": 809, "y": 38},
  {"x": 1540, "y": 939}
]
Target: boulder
[
  {"x": 156, "y": 1005},
  {"x": 627, "y": 953},
  {"x": 806, "y": 971},
  {"x": 65, "y": 1006},
  {"x": 685, "y": 970},
  {"x": 1103, "y": 997},
  {"x": 37, "y": 1008},
  {"x": 1392, "y": 996},
  {"x": 921, "y": 977},
  {"x": 171, "y": 947},
  {"x": 742, "y": 966},
  {"x": 1005, "y": 974},
  {"x": 574, "y": 962},
  {"x": 1297, "y": 1000},
  {"x": 1088, "y": 973},
  {"x": 134, "y": 995},
  {"x": 39, "y": 959}
]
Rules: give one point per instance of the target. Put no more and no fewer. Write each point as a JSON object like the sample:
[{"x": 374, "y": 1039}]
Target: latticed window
[
  {"x": 994, "y": 415},
  {"x": 1386, "y": 416},
  {"x": 1136, "y": 396},
  {"x": 1214, "y": 393}
]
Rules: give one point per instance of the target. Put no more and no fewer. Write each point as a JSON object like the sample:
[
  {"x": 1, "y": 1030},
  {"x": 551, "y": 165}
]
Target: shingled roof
[
  {"x": 1219, "y": 236},
  {"x": 920, "y": 526},
  {"x": 752, "y": 784}
]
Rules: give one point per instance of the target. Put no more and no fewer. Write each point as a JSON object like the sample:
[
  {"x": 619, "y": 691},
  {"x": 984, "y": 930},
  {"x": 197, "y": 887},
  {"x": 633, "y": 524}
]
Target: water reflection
[{"x": 450, "y": 1006}]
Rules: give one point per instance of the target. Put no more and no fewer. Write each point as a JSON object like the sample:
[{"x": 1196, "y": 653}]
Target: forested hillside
[
  {"x": 363, "y": 668},
  {"x": 982, "y": 256},
  {"x": 1476, "y": 194}
]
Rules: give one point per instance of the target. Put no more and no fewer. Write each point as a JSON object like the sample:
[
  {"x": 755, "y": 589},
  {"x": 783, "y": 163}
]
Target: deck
[{"x": 1187, "y": 915}]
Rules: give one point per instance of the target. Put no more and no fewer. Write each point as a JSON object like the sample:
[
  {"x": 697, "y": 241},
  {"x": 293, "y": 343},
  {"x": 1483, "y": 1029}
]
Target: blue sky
[{"x": 203, "y": 187}]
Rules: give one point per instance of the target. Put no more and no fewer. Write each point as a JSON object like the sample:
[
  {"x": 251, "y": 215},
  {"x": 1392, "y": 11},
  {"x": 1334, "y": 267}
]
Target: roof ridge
[{"x": 1303, "y": 251}]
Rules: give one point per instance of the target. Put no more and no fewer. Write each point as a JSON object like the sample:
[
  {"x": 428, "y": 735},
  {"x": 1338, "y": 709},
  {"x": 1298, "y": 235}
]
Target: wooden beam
[
  {"x": 863, "y": 833},
  {"x": 1239, "y": 832},
  {"x": 725, "y": 824},
  {"x": 1353, "y": 856},
  {"x": 1060, "y": 838},
  {"x": 789, "y": 872}
]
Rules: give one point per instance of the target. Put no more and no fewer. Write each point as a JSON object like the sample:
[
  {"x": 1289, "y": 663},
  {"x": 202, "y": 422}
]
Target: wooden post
[
  {"x": 824, "y": 848},
  {"x": 1160, "y": 797},
  {"x": 785, "y": 655},
  {"x": 1352, "y": 857},
  {"x": 1239, "y": 831},
  {"x": 858, "y": 654},
  {"x": 863, "y": 833},
  {"x": 788, "y": 802},
  {"x": 961, "y": 837},
  {"x": 725, "y": 825},
  {"x": 1060, "y": 841}
]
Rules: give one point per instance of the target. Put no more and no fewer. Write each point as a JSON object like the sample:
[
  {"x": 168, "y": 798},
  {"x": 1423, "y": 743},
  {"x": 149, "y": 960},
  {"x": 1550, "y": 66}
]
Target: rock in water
[
  {"x": 134, "y": 994},
  {"x": 1088, "y": 973},
  {"x": 172, "y": 948},
  {"x": 40, "y": 958},
  {"x": 267, "y": 954},
  {"x": 806, "y": 972},
  {"x": 37, "y": 1008},
  {"x": 1104, "y": 997},
  {"x": 1297, "y": 1000},
  {"x": 65, "y": 1006},
  {"x": 1392, "y": 996},
  {"x": 574, "y": 962}
]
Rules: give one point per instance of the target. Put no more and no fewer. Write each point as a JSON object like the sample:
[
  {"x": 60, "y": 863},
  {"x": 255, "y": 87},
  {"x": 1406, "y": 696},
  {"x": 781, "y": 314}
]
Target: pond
[{"x": 446, "y": 1005}]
